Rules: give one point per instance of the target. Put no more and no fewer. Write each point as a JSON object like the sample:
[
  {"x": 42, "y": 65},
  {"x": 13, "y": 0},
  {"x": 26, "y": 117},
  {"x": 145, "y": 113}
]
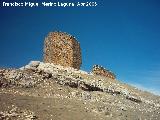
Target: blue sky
[{"x": 121, "y": 35}]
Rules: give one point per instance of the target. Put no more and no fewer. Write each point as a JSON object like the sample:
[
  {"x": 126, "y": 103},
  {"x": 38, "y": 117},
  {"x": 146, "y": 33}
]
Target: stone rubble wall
[
  {"x": 74, "y": 78},
  {"x": 99, "y": 70},
  {"x": 62, "y": 49},
  {"x": 36, "y": 73}
]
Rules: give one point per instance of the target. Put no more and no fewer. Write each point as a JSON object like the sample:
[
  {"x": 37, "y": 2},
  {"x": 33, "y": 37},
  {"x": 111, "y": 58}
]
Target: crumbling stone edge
[{"x": 36, "y": 72}]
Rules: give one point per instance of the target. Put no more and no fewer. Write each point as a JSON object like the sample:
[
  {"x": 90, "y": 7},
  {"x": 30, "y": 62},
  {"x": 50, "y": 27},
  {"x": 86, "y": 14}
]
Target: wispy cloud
[
  {"x": 144, "y": 88},
  {"x": 146, "y": 80}
]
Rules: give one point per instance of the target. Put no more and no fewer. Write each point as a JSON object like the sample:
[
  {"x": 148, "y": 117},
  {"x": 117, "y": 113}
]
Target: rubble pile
[
  {"x": 99, "y": 70},
  {"x": 17, "y": 114},
  {"x": 62, "y": 49},
  {"x": 19, "y": 78},
  {"x": 37, "y": 72}
]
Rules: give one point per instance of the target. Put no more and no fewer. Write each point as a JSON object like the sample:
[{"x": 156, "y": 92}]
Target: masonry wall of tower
[
  {"x": 62, "y": 49},
  {"x": 99, "y": 70}
]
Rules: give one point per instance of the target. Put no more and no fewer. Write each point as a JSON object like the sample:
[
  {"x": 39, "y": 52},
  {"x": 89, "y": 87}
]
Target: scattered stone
[
  {"x": 134, "y": 98},
  {"x": 88, "y": 88},
  {"x": 18, "y": 114},
  {"x": 86, "y": 96},
  {"x": 34, "y": 64},
  {"x": 124, "y": 108}
]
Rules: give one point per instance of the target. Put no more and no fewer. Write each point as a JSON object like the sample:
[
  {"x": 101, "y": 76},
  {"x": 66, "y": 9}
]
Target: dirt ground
[{"x": 59, "y": 94}]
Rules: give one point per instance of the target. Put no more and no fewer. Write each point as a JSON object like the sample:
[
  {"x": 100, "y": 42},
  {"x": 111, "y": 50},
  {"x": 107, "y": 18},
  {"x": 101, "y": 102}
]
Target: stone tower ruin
[
  {"x": 99, "y": 70},
  {"x": 62, "y": 49}
]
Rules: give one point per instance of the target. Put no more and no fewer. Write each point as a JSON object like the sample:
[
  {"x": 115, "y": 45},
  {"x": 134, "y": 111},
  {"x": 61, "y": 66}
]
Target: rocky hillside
[{"x": 43, "y": 91}]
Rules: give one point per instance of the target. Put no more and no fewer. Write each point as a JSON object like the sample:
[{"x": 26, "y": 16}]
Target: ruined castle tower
[
  {"x": 99, "y": 70},
  {"x": 62, "y": 49}
]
